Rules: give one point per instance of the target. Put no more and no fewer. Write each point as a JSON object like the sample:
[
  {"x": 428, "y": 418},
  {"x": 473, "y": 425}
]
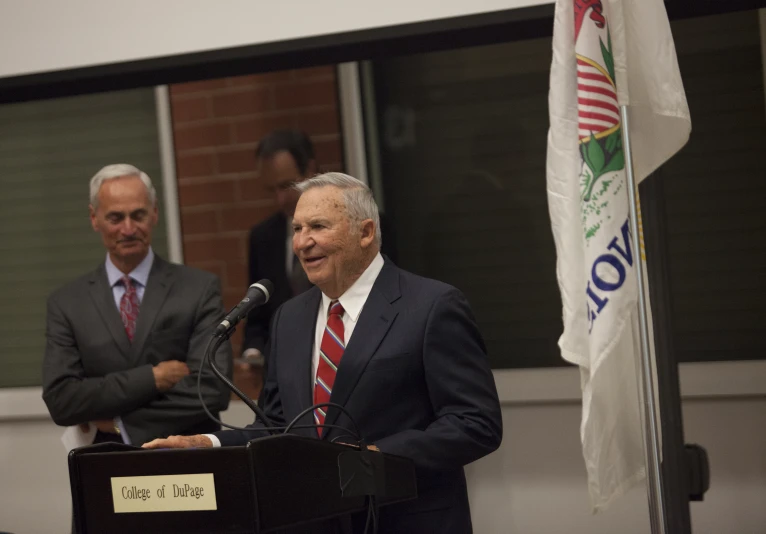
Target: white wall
[
  {"x": 535, "y": 483},
  {"x": 56, "y": 35},
  {"x": 34, "y": 479}
]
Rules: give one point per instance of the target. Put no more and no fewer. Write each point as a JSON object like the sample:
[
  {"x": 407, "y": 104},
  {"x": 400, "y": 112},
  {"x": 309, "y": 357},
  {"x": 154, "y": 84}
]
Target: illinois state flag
[{"x": 607, "y": 53}]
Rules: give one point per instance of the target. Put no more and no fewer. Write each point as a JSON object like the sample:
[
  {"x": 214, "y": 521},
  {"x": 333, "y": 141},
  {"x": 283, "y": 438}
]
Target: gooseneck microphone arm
[
  {"x": 257, "y": 295},
  {"x": 212, "y": 347}
]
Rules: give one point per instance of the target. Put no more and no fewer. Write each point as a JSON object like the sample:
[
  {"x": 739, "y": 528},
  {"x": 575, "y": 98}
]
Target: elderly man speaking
[{"x": 401, "y": 353}]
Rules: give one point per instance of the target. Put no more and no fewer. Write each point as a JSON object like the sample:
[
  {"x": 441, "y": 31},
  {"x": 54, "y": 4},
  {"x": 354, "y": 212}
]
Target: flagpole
[{"x": 646, "y": 375}]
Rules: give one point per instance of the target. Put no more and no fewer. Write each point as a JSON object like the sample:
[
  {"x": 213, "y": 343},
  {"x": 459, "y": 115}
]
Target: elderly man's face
[
  {"x": 125, "y": 218},
  {"x": 333, "y": 249}
]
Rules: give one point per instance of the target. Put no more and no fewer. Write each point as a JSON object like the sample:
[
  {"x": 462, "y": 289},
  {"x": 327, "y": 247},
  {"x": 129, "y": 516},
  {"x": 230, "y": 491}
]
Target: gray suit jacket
[{"x": 92, "y": 371}]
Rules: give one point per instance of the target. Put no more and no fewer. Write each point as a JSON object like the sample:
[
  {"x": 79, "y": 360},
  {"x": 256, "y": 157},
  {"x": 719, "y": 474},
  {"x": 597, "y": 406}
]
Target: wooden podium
[{"x": 272, "y": 483}]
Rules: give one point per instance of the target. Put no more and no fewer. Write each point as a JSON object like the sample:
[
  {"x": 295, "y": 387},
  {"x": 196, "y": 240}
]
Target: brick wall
[{"x": 216, "y": 126}]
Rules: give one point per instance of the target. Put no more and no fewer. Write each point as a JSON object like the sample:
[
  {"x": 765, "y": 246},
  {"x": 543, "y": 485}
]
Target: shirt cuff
[
  {"x": 123, "y": 432},
  {"x": 214, "y": 439}
]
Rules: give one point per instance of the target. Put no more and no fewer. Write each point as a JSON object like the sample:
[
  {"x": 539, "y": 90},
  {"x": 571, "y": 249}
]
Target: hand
[
  {"x": 180, "y": 442},
  {"x": 168, "y": 374},
  {"x": 84, "y": 427},
  {"x": 251, "y": 359},
  {"x": 105, "y": 425}
]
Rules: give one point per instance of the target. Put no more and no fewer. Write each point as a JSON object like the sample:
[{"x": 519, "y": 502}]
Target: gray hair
[
  {"x": 119, "y": 170},
  {"x": 360, "y": 204}
]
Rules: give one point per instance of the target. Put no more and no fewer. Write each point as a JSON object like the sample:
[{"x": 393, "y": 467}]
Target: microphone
[{"x": 257, "y": 295}]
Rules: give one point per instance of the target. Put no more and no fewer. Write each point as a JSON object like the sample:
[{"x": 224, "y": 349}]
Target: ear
[
  {"x": 368, "y": 233},
  {"x": 93, "y": 220}
]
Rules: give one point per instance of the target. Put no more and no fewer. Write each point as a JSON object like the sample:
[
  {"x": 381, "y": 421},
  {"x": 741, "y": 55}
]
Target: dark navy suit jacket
[{"x": 416, "y": 379}]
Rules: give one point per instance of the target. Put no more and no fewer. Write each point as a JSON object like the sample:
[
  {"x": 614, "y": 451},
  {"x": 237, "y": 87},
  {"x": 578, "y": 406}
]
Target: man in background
[
  {"x": 401, "y": 353},
  {"x": 284, "y": 158},
  {"x": 125, "y": 342}
]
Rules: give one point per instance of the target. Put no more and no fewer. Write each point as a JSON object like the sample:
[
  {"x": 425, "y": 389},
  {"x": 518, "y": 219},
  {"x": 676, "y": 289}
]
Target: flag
[{"x": 607, "y": 53}]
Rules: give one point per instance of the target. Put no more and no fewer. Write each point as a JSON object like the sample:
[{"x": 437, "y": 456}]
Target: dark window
[{"x": 462, "y": 142}]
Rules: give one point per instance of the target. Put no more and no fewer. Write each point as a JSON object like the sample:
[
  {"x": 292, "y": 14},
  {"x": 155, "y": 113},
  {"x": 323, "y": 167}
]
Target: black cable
[
  {"x": 372, "y": 514},
  {"x": 375, "y": 512},
  {"x": 313, "y": 426},
  {"x": 271, "y": 428},
  {"x": 212, "y": 347},
  {"x": 327, "y": 404},
  {"x": 369, "y": 515}
]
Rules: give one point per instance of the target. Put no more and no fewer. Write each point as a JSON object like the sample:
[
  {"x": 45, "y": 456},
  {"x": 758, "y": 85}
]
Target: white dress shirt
[
  {"x": 140, "y": 276},
  {"x": 353, "y": 301}
]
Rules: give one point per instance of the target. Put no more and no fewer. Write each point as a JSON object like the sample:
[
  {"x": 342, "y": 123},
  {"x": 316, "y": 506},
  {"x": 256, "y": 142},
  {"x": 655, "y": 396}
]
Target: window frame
[{"x": 26, "y": 402}]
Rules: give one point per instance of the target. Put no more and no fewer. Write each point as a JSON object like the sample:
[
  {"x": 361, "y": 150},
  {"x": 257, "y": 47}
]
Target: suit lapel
[
  {"x": 299, "y": 356},
  {"x": 157, "y": 287},
  {"x": 103, "y": 297},
  {"x": 377, "y": 316}
]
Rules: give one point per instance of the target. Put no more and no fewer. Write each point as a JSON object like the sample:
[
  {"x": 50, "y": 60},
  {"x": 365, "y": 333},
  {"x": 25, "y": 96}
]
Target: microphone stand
[{"x": 212, "y": 347}]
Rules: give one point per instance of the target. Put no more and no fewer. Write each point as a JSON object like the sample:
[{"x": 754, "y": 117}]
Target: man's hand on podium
[{"x": 180, "y": 442}]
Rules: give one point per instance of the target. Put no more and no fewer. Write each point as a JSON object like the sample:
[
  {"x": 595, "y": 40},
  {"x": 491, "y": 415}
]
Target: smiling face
[
  {"x": 125, "y": 218},
  {"x": 334, "y": 250}
]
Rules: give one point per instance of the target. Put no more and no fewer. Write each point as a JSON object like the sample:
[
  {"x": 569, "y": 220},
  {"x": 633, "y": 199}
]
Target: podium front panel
[
  {"x": 91, "y": 476},
  {"x": 272, "y": 483}
]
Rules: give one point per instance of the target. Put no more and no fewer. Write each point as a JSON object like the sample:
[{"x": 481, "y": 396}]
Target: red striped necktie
[{"x": 330, "y": 353}]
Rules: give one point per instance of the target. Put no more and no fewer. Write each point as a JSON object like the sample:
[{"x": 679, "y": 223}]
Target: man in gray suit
[{"x": 125, "y": 342}]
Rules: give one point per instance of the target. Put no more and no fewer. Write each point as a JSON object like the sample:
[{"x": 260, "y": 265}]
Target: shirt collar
[
  {"x": 140, "y": 274},
  {"x": 355, "y": 296}
]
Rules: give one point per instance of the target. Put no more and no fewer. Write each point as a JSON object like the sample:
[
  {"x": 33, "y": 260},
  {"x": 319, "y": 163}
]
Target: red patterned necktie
[
  {"x": 330, "y": 353},
  {"x": 129, "y": 307}
]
